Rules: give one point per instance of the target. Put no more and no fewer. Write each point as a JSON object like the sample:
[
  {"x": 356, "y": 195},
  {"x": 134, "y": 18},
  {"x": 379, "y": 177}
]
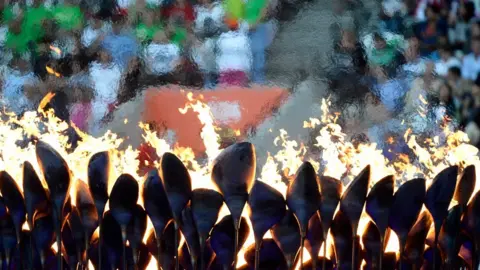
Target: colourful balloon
[
  {"x": 234, "y": 8},
  {"x": 253, "y": 10}
]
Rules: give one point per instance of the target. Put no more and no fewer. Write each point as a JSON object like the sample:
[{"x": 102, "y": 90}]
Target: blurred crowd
[
  {"x": 97, "y": 54},
  {"x": 421, "y": 65}
]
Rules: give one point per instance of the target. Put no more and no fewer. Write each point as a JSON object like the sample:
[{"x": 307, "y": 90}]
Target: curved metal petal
[
  {"x": 287, "y": 236},
  {"x": 206, "y": 204},
  {"x": 43, "y": 234},
  {"x": 98, "y": 175},
  {"x": 267, "y": 208},
  {"x": 271, "y": 256},
  {"x": 57, "y": 176},
  {"x": 233, "y": 172},
  {"x": 222, "y": 239},
  {"x": 156, "y": 202},
  {"x": 14, "y": 201},
  {"x": 353, "y": 199},
  {"x": 112, "y": 239},
  {"x": 415, "y": 244},
  {"x": 314, "y": 238},
  {"x": 136, "y": 230},
  {"x": 471, "y": 223},
  {"x": 439, "y": 195},
  {"x": 189, "y": 231},
  {"x": 331, "y": 190},
  {"x": 378, "y": 204},
  {"x": 407, "y": 203},
  {"x": 9, "y": 238},
  {"x": 36, "y": 198},
  {"x": 86, "y": 208},
  {"x": 448, "y": 237},
  {"x": 342, "y": 237},
  {"x": 373, "y": 245},
  {"x": 177, "y": 183},
  {"x": 79, "y": 233},
  {"x": 69, "y": 245},
  {"x": 465, "y": 186},
  {"x": 123, "y": 199},
  {"x": 303, "y": 195}
]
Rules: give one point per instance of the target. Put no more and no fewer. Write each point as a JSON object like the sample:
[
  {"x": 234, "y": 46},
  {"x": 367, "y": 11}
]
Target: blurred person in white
[
  {"x": 94, "y": 29},
  {"x": 209, "y": 18},
  {"x": 446, "y": 61},
  {"x": 203, "y": 53},
  {"x": 471, "y": 62},
  {"x": 211, "y": 11},
  {"x": 106, "y": 77},
  {"x": 234, "y": 55},
  {"x": 421, "y": 8},
  {"x": 415, "y": 65},
  {"x": 18, "y": 82},
  {"x": 459, "y": 21},
  {"x": 162, "y": 57}
]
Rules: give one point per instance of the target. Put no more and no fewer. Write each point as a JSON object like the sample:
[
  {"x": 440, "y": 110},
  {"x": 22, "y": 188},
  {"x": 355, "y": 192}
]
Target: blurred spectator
[
  {"x": 16, "y": 40},
  {"x": 203, "y": 53},
  {"x": 209, "y": 18},
  {"x": 349, "y": 54},
  {"x": 391, "y": 16},
  {"x": 120, "y": 43},
  {"x": 446, "y": 103},
  {"x": 80, "y": 77},
  {"x": 106, "y": 77},
  {"x": 415, "y": 64},
  {"x": 259, "y": 18},
  {"x": 132, "y": 82},
  {"x": 147, "y": 27},
  {"x": 389, "y": 89},
  {"x": 35, "y": 19},
  {"x": 467, "y": 107},
  {"x": 68, "y": 16},
  {"x": 459, "y": 23},
  {"x": 162, "y": 58},
  {"x": 234, "y": 56},
  {"x": 180, "y": 9},
  {"x": 17, "y": 79},
  {"x": 446, "y": 61},
  {"x": 459, "y": 85},
  {"x": 430, "y": 30},
  {"x": 384, "y": 53},
  {"x": 81, "y": 109},
  {"x": 94, "y": 29},
  {"x": 471, "y": 62}
]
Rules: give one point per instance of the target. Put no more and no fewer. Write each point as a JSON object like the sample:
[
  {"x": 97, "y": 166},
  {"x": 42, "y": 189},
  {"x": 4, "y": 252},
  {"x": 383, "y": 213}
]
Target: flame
[
  {"x": 331, "y": 154},
  {"x": 56, "y": 50},
  {"x": 52, "y": 71}
]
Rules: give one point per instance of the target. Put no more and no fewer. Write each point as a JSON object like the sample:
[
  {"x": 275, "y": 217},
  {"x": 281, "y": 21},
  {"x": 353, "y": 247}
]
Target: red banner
[{"x": 234, "y": 107}]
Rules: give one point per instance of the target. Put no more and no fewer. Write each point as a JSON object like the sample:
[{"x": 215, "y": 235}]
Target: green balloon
[
  {"x": 235, "y": 8},
  {"x": 253, "y": 10}
]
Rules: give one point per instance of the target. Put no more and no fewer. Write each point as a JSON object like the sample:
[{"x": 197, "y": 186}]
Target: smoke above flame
[{"x": 331, "y": 154}]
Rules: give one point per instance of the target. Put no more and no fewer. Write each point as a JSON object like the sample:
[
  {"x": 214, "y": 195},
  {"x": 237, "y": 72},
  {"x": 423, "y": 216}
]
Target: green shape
[
  {"x": 385, "y": 56},
  {"x": 68, "y": 17},
  {"x": 234, "y": 8},
  {"x": 146, "y": 33},
  {"x": 7, "y": 14},
  {"x": 17, "y": 43},
  {"x": 253, "y": 10},
  {"x": 33, "y": 21},
  {"x": 179, "y": 36}
]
